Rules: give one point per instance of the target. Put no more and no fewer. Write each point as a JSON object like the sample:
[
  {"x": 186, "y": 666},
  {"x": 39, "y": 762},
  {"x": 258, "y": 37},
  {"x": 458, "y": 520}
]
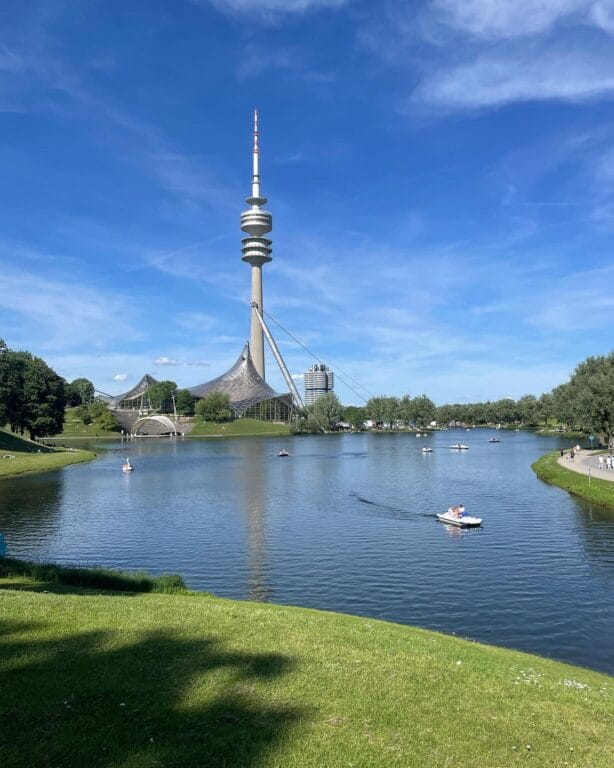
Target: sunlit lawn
[{"x": 190, "y": 680}]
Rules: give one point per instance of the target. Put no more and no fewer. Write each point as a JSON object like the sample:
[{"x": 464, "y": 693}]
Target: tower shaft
[{"x": 256, "y": 344}]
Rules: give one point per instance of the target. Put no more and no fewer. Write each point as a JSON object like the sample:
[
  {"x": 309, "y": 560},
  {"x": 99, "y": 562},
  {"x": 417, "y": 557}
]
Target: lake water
[{"x": 346, "y": 523}]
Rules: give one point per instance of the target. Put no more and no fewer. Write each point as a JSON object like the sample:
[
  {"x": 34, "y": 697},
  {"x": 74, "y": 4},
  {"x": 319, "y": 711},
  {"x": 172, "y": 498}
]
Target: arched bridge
[{"x": 154, "y": 425}]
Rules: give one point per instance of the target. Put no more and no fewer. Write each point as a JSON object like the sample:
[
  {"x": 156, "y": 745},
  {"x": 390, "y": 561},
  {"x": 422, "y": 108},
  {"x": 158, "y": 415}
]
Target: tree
[
  {"x": 97, "y": 408},
  {"x": 327, "y": 410},
  {"x": 590, "y": 396},
  {"x": 214, "y": 407},
  {"x": 107, "y": 421},
  {"x": 79, "y": 392},
  {"x": 384, "y": 409},
  {"x": 185, "y": 402},
  {"x": 423, "y": 410},
  {"x": 83, "y": 414},
  {"x": 528, "y": 410},
  {"x": 355, "y": 415},
  {"x": 161, "y": 396},
  {"x": 31, "y": 394}
]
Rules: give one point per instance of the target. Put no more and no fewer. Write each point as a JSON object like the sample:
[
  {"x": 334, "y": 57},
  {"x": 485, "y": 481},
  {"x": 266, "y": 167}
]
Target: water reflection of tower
[{"x": 253, "y": 484}]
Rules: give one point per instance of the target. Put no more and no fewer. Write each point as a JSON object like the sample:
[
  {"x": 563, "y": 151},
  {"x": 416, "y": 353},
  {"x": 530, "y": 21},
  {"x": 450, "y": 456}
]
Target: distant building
[{"x": 319, "y": 380}]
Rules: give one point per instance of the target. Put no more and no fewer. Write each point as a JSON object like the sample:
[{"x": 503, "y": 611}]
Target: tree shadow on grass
[{"x": 88, "y": 700}]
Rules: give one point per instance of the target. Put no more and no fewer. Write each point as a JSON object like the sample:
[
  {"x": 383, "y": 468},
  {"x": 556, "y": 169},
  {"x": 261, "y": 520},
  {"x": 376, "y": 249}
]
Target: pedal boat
[{"x": 459, "y": 519}]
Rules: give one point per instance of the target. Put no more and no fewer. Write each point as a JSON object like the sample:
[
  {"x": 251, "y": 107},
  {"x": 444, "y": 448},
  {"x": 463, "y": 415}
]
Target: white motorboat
[
  {"x": 283, "y": 452},
  {"x": 460, "y": 447},
  {"x": 427, "y": 450},
  {"x": 494, "y": 440},
  {"x": 127, "y": 466},
  {"x": 457, "y": 516}
]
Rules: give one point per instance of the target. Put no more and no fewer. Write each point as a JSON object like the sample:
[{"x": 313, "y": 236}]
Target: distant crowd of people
[{"x": 604, "y": 463}]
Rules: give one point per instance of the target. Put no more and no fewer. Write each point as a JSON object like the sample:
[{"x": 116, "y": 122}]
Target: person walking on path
[{"x": 601, "y": 462}]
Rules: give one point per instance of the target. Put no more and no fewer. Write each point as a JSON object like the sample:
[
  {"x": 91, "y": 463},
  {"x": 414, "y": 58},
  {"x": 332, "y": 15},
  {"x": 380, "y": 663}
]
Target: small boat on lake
[
  {"x": 456, "y": 515},
  {"x": 427, "y": 450},
  {"x": 494, "y": 440},
  {"x": 460, "y": 447},
  {"x": 283, "y": 452},
  {"x": 127, "y": 466}
]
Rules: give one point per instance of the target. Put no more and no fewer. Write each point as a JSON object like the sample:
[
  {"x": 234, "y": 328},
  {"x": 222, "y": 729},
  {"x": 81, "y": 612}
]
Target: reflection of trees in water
[{"x": 30, "y": 508}]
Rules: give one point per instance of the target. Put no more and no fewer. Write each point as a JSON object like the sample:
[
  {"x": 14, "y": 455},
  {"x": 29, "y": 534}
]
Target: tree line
[{"x": 33, "y": 399}]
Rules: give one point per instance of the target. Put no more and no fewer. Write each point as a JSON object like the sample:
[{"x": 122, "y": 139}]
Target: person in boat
[{"x": 457, "y": 510}]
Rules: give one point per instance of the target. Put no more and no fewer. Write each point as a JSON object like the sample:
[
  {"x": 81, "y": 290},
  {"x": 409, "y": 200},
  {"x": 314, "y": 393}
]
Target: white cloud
[
  {"x": 64, "y": 313},
  {"x": 165, "y": 361},
  {"x": 521, "y": 73},
  {"x": 120, "y": 377},
  {"x": 263, "y": 7},
  {"x": 491, "y": 19}
]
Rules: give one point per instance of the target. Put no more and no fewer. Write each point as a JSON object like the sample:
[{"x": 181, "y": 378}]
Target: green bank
[
  {"x": 142, "y": 680},
  {"x": 596, "y": 491},
  {"x": 18, "y": 456},
  {"x": 238, "y": 428}
]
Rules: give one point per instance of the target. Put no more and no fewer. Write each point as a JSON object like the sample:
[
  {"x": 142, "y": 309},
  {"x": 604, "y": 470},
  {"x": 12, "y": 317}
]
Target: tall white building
[{"x": 319, "y": 380}]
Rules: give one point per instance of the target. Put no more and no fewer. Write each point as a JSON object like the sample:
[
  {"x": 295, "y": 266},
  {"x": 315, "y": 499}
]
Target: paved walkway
[{"x": 585, "y": 460}]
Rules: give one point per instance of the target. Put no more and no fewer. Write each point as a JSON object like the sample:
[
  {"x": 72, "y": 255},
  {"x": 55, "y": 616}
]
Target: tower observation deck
[{"x": 256, "y": 249}]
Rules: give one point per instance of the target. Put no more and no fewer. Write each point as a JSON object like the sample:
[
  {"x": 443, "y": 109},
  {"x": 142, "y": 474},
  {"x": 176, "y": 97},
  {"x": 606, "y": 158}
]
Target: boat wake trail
[{"x": 397, "y": 511}]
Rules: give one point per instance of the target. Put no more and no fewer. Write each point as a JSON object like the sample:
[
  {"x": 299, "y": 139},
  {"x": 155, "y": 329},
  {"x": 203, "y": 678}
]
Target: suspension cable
[{"x": 336, "y": 368}]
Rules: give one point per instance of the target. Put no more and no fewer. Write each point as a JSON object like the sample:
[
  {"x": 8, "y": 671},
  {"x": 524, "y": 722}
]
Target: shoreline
[
  {"x": 596, "y": 488},
  {"x": 33, "y": 463}
]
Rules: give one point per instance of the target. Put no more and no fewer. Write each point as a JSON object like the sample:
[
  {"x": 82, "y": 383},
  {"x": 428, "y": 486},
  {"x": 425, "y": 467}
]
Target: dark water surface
[{"x": 345, "y": 523}]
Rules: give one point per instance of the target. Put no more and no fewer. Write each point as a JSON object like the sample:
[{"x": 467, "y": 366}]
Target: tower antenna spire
[{"x": 256, "y": 176}]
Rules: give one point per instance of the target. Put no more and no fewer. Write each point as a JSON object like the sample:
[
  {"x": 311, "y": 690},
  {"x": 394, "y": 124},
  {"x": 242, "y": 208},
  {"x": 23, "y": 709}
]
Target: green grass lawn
[
  {"x": 18, "y": 455},
  {"x": 548, "y": 469},
  {"x": 144, "y": 680},
  {"x": 239, "y": 427}
]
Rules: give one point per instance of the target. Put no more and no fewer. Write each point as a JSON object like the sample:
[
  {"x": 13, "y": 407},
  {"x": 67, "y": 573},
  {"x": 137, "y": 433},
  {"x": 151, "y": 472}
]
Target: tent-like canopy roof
[
  {"x": 135, "y": 392},
  {"x": 242, "y": 383}
]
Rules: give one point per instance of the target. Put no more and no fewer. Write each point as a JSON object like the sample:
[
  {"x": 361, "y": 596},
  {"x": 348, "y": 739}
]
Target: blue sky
[{"x": 440, "y": 173}]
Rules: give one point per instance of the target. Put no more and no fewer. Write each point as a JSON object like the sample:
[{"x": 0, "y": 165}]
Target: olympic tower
[{"x": 256, "y": 249}]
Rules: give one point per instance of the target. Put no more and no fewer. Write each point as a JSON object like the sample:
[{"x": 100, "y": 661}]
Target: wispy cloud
[
  {"x": 514, "y": 73},
  {"x": 120, "y": 377},
  {"x": 62, "y": 314},
  {"x": 265, "y": 9}
]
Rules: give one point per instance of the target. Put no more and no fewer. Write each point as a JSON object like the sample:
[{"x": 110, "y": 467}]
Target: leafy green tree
[
  {"x": 327, "y": 410},
  {"x": 161, "y": 396},
  {"x": 185, "y": 402},
  {"x": 423, "y": 410},
  {"x": 355, "y": 415},
  {"x": 31, "y": 394},
  {"x": 83, "y": 414},
  {"x": 107, "y": 421},
  {"x": 590, "y": 395},
  {"x": 384, "y": 409},
  {"x": 214, "y": 406},
  {"x": 528, "y": 410},
  {"x": 79, "y": 392},
  {"x": 97, "y": 408}
]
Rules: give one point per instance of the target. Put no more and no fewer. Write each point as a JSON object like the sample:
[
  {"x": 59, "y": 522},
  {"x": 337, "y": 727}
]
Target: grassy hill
[
  {"x": 142, "y": 680},
  {"x": 74, "y": 427},
  {"x": 240, "y": 427},
  {"x": 19, "y": 455}
]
